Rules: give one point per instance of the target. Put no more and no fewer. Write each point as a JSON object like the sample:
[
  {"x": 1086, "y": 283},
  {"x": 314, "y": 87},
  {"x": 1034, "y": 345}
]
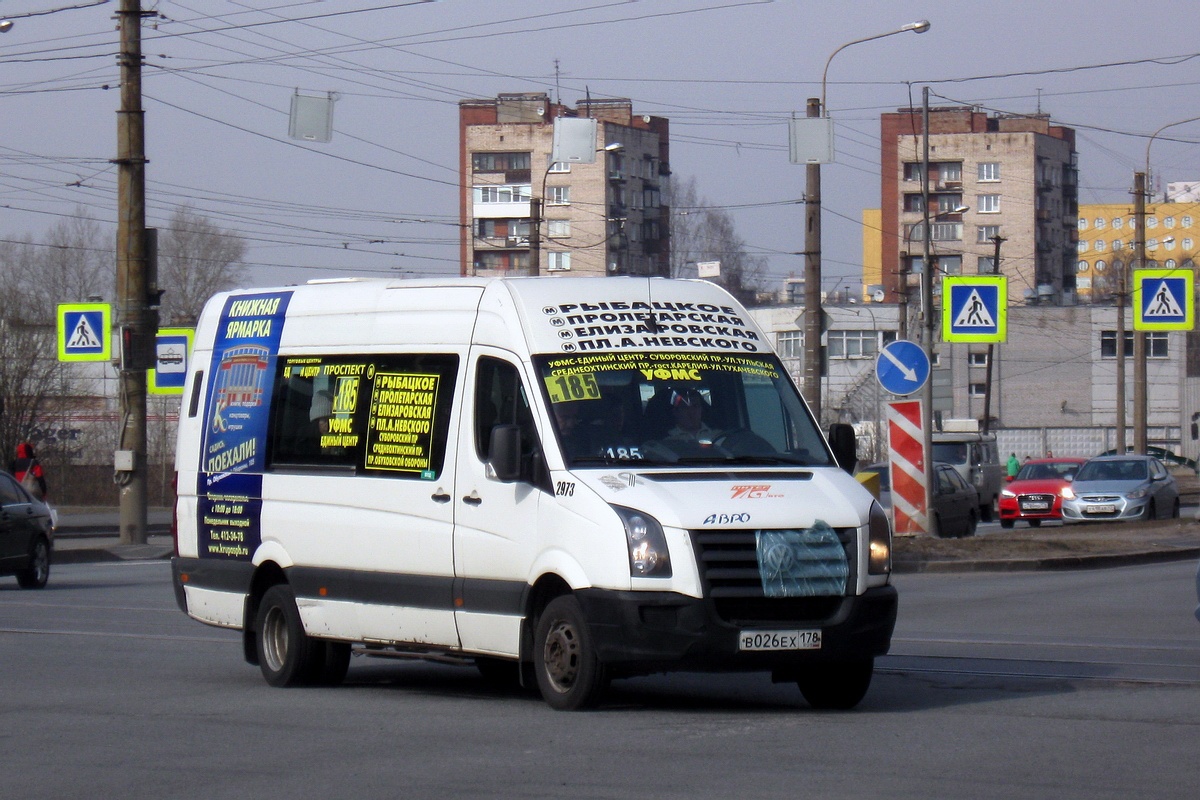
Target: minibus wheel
[
  {"x": 837, "y": 686},
  {"x": 285, "y": 652},
  {"x": 569, "y": 675}
]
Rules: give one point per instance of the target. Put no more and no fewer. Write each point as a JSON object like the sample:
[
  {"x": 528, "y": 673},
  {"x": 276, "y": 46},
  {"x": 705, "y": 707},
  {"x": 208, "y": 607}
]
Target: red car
[{"x": 1035, "y": 493}]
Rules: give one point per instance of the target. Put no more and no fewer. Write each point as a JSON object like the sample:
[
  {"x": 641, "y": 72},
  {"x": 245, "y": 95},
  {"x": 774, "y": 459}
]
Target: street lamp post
[
  {"x": 812, "y": 236},
  {"x": 1141, "y": 411}
]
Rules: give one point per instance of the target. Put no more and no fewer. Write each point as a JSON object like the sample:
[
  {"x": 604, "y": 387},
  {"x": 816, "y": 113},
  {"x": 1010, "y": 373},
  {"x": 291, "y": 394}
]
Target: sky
[{"x": 380, "y": 199}]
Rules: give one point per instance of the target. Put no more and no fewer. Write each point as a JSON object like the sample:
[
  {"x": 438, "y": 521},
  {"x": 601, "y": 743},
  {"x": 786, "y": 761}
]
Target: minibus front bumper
[{"x": 640, "y": 632}]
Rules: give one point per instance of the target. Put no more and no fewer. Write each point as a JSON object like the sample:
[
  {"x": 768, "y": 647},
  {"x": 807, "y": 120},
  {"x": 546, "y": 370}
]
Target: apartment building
[
  {"x": 1106, "y": 243},
  {"x": 598, "y": 219},
  {"x": 1013, "y": 177}
]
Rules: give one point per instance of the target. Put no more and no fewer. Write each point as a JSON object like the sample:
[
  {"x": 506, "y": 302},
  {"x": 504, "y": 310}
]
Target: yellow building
[
  {"x": 872, "y": 252},
  {"x": 1106, "y": 246}
]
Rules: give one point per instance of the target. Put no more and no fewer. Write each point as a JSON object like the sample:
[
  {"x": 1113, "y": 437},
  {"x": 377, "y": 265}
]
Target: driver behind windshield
[{"x": 687, "y": 412}]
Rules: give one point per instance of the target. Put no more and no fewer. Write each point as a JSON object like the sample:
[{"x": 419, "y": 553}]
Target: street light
[
  {"x": 812, "y": 237},
  {"x": 1141, "y": 411},
  {"x": 535, "y": 210},
  {"x": 5, "y": 25},
  {"x": 908, "y": 240}
]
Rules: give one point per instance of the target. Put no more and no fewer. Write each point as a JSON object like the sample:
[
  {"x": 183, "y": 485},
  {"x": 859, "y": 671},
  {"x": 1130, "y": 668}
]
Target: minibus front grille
[{"x": 729, "y": 573}]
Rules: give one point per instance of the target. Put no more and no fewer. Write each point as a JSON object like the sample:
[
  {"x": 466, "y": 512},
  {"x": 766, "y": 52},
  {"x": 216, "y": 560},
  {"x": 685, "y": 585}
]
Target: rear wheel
[
  {"x": 839, "y": 686},
  {"x": 38, "y": 572},
  {"x": 569, "y": 675},
  {"x": 286, "y": 655},
  {"x": 329, "y": 663}
]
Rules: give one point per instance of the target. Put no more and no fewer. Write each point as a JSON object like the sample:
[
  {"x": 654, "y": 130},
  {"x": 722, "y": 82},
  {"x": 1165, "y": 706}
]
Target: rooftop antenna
[
  {"x": 557, "y": 85},
  {"x": 1039, "y": 111}
]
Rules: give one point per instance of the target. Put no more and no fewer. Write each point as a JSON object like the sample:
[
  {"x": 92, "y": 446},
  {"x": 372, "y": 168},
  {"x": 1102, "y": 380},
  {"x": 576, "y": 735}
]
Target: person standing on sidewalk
[
  {"x": 1014, "y": 466},
  {"x": 28, "y": 472}
]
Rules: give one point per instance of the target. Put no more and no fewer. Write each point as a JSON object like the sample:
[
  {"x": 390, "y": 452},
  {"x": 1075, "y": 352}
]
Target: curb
[
  {"x": 120, "y": 552},
  {"x": 1099, "y": 561}
]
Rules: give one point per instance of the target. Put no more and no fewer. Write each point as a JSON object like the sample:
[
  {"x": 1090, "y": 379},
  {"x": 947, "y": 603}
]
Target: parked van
[
  {"x": 976, "y": 458},
  {"x": 562, "y": 480}
]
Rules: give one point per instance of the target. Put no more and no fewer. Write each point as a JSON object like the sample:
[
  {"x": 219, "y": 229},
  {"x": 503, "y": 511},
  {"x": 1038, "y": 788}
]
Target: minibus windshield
[{"x": 685, "y": 408}]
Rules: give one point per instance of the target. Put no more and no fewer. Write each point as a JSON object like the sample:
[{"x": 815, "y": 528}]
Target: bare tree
[
  {"x": 72, "y": 263},
  {"x": 701, "y": 232},
  {"x": 196, "y": 259}
]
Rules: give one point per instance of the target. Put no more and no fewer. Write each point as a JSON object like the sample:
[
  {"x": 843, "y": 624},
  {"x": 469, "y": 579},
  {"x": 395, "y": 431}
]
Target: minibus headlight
[
  {"x": 879, "y": 540},
  {"x": 648, "y": 556}
]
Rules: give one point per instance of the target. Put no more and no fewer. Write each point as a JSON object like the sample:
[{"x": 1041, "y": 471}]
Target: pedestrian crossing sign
[
  {"x": 84, "y": 332},
  {"x": 974, "y": 308},
  {"x": 1162, "y": 300}
]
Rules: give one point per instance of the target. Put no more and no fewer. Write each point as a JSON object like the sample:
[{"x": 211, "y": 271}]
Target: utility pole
[
  {"x": 997, "y": 240},
  {"x": 132, "y": 288},
  {"x": 535, "y": 235},
  {"x": 812, "y": 278},
  {"x": 927, "y": 321},
  {"x": 1140, "y": 411}
]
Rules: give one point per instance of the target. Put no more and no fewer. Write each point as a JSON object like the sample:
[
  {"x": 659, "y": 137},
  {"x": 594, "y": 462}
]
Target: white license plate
[
  {"x": 1036, "y": 505},
  {"x": 779, "y": 640},
  {"x": 1107, "y": 508}
]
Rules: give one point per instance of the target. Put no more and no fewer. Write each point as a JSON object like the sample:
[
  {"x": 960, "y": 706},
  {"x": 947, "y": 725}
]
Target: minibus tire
[
  {"x": 286, "y": 655},
  {"x": 569, "y": 675},
  {"x": 838, "y": 686}
]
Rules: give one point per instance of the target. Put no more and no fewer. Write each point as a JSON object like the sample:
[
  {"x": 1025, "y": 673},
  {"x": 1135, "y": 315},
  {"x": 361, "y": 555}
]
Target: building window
[
  {"x": 947, "y": 231},
  {"x": 1099, "y": 223},
  {"x": 1152, "y": 244},
  {"x": 985, "y": 233},
  {"x": 1081, "y": 266},
  {"x": 977, "y": 389},
  {"x": 1169, "y": 263},
  {"x": 558, "y": 262},
  {"x": 1117, "y": 265},
  {"x": 1169, "y": 243},
  {"x": 1156, "y": 344},
  {"x": 987, "y": 203},
  {"x": 1186, "y": 222},
  {"x": 989, "y": 171},
  {"x": 985, "y": 265},
  {"x": 558, "y": 228},
  {"x": 949, "y": 172},
  {"x": 946, "y": 203},
  {"x": 1118, "y": 223},
  {"x": 1169, "y": 222},
  {"x": 1187, "y": 244},
  {"x": 1151, "y": 222},
  {"x": 502, "y": 194},
  {"x": 977, "y": 359},
  {"x": 1081, "y": 246},
  {"x": 852, "y": 344},
  {"x": 1100, "y": 265},
  {"x": 1099, "y": 245},
  {"x": 1082, "y": 224},
  {"x": 1117, "y": 245},
  {"x": 912, "y": 171},
  {"x": 950, "y": 265},
  {"x": 790, "y": 344},
  {"x": 560, "y": 166},
  {"x": 558, "y": 195},
  {"x": 499, "y": 162}
]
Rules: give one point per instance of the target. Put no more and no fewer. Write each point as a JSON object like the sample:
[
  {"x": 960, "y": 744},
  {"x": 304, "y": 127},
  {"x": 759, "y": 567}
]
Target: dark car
[
  {"x": 1121, "y": 487},
  {"x": 955, "y": 502},
  {"x": 1036, "y": 492},
  {"x": 26, "y": 535}
]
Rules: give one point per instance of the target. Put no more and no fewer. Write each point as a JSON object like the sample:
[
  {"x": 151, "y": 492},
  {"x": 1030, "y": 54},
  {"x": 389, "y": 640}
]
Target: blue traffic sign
[
  {"x": 902, "y": 367},
  {"x": 975, "y": 308},
  {"x": 84, "y": 331},
  {"x": 1163, "y": 300}
]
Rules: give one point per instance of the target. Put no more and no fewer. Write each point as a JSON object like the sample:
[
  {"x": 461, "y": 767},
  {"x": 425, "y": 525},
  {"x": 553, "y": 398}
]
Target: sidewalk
[{"x": 90, "y": 534}]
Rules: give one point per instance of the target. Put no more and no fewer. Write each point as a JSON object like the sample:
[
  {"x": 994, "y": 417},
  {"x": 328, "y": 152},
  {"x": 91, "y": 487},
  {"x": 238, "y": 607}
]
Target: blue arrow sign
[{"x": 902, "y": 367}]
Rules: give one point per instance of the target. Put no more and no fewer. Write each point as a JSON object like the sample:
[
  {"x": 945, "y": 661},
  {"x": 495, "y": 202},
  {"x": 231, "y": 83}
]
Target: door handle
[
  {"x": 440, "y": 497},
  {"x": 473, "y": 499}
]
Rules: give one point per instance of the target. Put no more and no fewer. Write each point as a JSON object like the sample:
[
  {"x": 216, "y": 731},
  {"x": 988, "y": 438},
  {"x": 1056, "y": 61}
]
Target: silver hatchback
[{"x": 1121, "y": 487}]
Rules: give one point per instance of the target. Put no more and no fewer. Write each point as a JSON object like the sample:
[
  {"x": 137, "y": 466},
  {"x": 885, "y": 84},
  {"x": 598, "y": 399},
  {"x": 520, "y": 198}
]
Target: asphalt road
[{"x": 1078, "y": 684}]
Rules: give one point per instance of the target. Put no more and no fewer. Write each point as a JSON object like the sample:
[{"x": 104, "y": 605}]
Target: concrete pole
[
  {"x": 1140, "y": 411},
  {"x": 927, "y": 318},
  {"x": 131, "y": 274},
  {"x": 812, "y": 279}
]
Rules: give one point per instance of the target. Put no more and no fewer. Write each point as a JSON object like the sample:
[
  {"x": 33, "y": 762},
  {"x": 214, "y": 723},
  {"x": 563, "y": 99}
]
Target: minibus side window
[{"x": 501, "y": 399}]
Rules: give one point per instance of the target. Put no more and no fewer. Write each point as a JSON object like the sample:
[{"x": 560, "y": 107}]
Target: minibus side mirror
[
  {"x": 845, "y": 446},
  {"x": 504, "y": 452}
]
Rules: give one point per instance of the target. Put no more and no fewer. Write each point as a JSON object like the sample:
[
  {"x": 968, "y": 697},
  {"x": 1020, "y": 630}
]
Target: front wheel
[
  {"x": 569, "y": 675},
  {"x": 286, "y": 655},
  {"x": 38, "y": 572},
  {"x": 1035, "y": 523},
  {"x": 1148, "y": 512},
  {"x": 1006, "y": 523},
  {"x": 839, "y": 686}
]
